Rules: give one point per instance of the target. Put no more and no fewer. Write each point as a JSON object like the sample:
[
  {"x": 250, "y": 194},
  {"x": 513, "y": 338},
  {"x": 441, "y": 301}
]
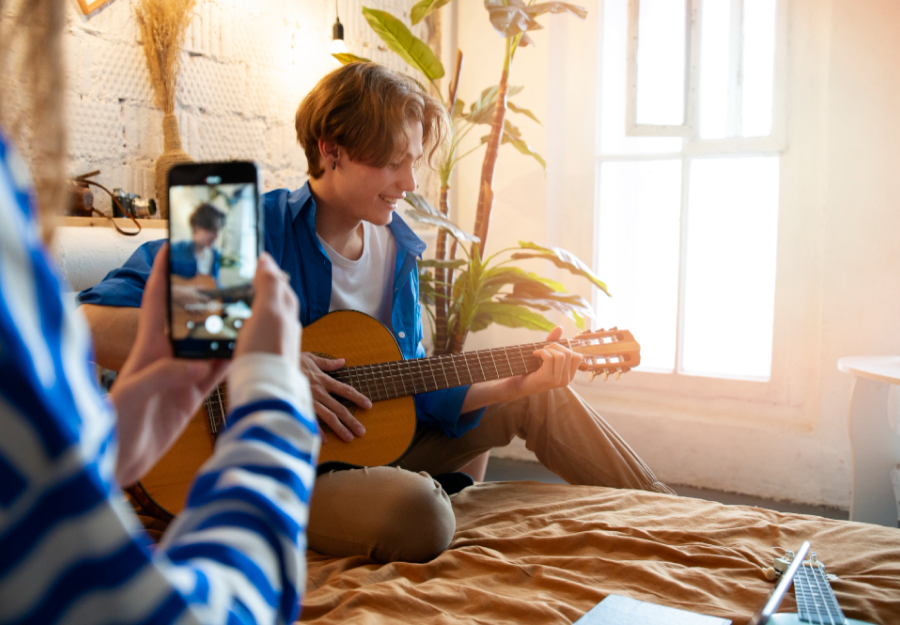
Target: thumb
[
  {"x": 153, "y": 304},
  {"x": 327, "y": 364},
  {"x": 555, "y": 333}
]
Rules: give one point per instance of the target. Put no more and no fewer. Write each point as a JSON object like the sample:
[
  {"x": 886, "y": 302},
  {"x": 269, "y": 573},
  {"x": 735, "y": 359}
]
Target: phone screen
[{"x": 214, "y": 243}]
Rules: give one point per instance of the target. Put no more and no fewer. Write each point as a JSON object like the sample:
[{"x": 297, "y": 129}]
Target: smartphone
[{"x": 215, "y": 235}]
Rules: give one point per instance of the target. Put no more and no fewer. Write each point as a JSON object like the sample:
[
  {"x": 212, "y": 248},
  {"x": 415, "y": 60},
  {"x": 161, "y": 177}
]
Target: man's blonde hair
[{"x": 367, "y": 109}]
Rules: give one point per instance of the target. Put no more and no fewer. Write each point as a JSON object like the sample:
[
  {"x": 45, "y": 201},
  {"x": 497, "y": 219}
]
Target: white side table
[{"x": 874, "y": 437}]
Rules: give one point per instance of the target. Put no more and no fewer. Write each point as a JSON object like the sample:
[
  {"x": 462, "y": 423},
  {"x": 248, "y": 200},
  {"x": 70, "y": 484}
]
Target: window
[{"x": 689, "y": 155}]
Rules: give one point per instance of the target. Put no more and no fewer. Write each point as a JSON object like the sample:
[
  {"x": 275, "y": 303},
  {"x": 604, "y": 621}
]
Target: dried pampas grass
[
  {"x": 32, "y": 95},
  {"x": 162, "y": 24}
]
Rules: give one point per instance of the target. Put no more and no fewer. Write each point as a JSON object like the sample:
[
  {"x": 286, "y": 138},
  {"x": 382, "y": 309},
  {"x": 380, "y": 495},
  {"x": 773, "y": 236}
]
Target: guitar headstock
[
  {"x": 607, "y": 352},
  {"x": 782, "y": 563}
]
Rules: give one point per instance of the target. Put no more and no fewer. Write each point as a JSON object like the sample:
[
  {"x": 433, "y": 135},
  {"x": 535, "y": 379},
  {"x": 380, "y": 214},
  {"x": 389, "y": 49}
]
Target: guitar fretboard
[
  {"x": 402, "y": 378},
  {"x": 816, "y": 602},
  {"x": 216, "y": 406}
]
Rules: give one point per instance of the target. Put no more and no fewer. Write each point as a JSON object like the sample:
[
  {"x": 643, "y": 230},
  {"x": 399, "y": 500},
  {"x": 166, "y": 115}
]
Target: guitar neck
[
  {"x": 388, "y": 380},
  {"x": 816, "y": 602}
]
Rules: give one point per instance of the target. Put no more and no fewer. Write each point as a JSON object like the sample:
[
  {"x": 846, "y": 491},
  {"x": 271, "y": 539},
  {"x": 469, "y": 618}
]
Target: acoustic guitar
[
  {"x": 374, "y": 366},
  {"x": 816, "y": 602}
]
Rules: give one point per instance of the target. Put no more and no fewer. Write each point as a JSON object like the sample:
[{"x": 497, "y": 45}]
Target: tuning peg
[
  {"x": 593, "y": 375},
  {"x": 604, "y": 376},
  {"x": 618, "y": 374}
]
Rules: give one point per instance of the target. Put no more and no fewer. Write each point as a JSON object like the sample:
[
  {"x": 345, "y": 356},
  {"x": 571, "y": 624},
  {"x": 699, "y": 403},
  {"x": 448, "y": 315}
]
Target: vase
[{"x": 171, "y": 156}]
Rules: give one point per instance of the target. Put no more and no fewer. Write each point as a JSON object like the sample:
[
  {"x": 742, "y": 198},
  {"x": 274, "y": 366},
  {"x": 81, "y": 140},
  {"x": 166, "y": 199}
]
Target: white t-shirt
[
  {"x": 204, "y": 260},
  {"x": 365, "y": 284}
]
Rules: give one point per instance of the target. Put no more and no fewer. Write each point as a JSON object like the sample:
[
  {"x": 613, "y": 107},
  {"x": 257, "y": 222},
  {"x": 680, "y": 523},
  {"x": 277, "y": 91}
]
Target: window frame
[{"x": 784, "y": 393}]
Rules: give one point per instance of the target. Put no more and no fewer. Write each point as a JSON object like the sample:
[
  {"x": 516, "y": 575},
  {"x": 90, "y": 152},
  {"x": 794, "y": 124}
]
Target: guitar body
[
  {"x": 390, "y": 424},
  {"x": 794, "y": 619},
  {"x": 168, "y": 482}
]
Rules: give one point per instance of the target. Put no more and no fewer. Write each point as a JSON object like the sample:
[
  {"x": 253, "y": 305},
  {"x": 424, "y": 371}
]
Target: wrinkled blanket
[{"x": 526, "y": 552}]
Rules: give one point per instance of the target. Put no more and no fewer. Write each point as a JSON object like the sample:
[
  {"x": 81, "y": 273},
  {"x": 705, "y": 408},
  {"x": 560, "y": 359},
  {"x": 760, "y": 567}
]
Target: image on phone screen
[{"x": 213, "y": 249}]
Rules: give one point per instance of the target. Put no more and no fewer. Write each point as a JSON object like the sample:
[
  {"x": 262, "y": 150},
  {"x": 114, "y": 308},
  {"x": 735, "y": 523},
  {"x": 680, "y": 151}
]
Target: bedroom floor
[{"x": 504, "y": 469}]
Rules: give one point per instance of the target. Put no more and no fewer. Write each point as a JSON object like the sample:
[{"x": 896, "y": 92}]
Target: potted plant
[{"x": 468, "y": 294}]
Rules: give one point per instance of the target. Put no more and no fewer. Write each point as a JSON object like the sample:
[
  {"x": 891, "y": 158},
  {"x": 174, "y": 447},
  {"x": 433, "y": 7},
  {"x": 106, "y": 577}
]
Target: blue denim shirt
[
  {"x": 184, "y": 263},
  {"x": 290, "y": 237}
]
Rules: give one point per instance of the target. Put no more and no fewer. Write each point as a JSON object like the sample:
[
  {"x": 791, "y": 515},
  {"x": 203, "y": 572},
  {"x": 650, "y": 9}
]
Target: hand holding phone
[
  {"x": 214, "y": 242},
  {"x": 275, "y": 325},
  {"x": 156, "y": 395}
]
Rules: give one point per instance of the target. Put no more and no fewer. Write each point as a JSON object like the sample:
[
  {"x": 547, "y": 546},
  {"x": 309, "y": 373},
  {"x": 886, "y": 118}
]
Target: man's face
[
  {"x": 203, "y": 237},
  {"x": 372, "y": 193}
]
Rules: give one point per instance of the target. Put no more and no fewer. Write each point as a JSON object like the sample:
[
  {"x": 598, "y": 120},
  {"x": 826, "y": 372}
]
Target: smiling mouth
[{"x": 391, "y": 200}]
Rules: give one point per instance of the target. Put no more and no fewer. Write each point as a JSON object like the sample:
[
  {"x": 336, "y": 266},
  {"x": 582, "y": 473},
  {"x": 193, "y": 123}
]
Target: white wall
[
  {"x": 245, "y": 67},
  {"x": 838, "y": 282}
]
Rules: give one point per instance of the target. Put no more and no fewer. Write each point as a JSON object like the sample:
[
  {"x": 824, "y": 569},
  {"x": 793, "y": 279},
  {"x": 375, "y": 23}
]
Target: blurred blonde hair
[
  {"x": 366, "y": 109},
  {"x": 32, "y": 95}
]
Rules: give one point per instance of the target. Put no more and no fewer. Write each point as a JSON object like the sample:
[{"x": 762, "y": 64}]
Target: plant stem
[
  {"x": 486, "y": 191},
  {"x": 442, "y": 276}
]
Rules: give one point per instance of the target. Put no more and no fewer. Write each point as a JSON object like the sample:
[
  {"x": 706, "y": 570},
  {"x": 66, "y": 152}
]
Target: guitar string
[
  {"x": 812, "y": 596},
  {"x": 376, "y": 372}
]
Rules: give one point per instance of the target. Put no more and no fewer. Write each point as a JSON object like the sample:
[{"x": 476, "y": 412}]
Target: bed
[{"x": 528, "y": 552}]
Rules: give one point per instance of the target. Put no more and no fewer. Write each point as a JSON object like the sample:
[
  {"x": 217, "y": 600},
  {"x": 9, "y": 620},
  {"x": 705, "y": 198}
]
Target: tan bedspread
[{"x": 526, "y": 552}]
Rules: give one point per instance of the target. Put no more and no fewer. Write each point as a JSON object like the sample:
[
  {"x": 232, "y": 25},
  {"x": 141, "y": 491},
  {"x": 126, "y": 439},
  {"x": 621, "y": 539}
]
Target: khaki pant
[{"x": 399, "y": 513}]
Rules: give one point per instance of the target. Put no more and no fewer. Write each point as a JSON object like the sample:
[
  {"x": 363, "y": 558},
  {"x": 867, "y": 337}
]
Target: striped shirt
[{"x": 71, "y": 549}]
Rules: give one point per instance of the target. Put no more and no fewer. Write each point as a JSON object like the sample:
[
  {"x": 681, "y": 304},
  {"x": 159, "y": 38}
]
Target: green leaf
[
  {"x": 423, "y": 212},
  {"x": 460, "y": 285},
  {"x": 509, "y": 18},
  {"x": 522, "y": 146},
  {"x": 551, "y": 294},
  {"x": 513, "y": 17},
  {"x": 346, "y": 58},
  {"x": 398, "y": 38},
  {"x": 573, "y": 306},
  {"x": 555, "y": 7},
  {"x": 512, "y": 107},
  {"x": 512, "y": 136},
  {"x": 482, "y": 111},
  {"x": 515, "y": 276},
  {"x": 459, "y": 108},
  {"x": 424, "y": 8},
  {"x": 443, "y": 264},
  {"x": 561, "y": 258},
  {"x": 509, "y": 315},
  {"x": 427, "y": 293}
]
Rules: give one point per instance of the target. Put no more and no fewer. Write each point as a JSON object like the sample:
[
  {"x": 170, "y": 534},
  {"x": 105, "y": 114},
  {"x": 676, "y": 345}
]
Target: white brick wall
[{"x": 245, "y": 67}]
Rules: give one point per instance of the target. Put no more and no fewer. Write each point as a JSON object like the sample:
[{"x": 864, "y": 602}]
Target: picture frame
[{"x": 88, "y": 6}]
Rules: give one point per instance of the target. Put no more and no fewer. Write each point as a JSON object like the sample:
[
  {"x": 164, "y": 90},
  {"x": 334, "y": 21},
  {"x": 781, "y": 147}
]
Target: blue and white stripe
[{"x": 71, "y": 550}]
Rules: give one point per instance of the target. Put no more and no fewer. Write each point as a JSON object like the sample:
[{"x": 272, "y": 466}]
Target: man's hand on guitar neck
[
  {"x": 558, "y": 368},
  {"x": 328, "y": 409}
]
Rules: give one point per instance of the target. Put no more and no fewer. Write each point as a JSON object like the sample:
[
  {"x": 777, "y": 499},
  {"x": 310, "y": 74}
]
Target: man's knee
[
  {"x": 386, "y": 513},
  {"x": 421, "y": 524}
]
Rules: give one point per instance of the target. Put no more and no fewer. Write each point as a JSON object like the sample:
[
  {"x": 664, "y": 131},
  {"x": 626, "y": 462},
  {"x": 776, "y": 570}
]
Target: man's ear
[{"x": 328, "y": 151}]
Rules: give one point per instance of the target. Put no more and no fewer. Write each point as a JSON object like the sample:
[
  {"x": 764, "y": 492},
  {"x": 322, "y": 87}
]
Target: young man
[
  {"x": 364, "y": 130},
  {"x": 197, "y": 256}
]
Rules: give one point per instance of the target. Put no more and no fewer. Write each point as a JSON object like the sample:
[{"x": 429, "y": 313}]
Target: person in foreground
[
  {"x": 364, "y": 130},
  {"x": 71, "y": 548}
]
